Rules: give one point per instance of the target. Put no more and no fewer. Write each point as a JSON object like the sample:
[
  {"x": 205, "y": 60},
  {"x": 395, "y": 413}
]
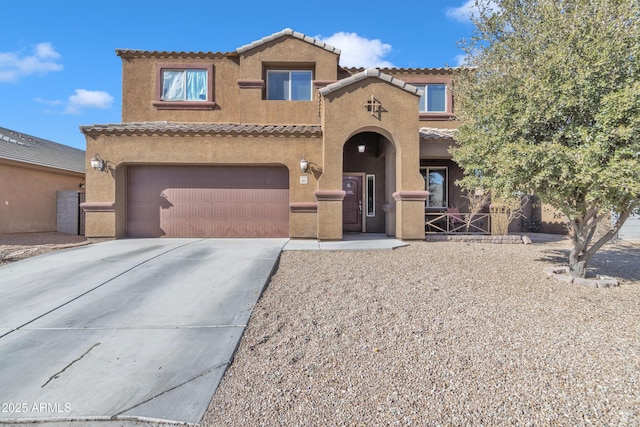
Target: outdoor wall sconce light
[
  {"x": 361, "y": 148},
  {"x": 97, "y": 163},
  {"x": 304, "y": 165}
]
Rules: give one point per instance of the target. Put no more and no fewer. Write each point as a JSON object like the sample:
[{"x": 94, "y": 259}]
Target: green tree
[{"x": 550, "y": 102}]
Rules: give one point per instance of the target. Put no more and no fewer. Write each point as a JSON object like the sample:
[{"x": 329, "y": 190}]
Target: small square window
[
  {"x": 289, "y": 85},
  {"x": 434, "y": 98}
]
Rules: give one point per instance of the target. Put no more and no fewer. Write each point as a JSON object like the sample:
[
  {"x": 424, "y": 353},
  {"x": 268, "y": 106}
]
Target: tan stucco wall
[
  {"x": 139, "y": 91},
  {"x": 284, "y": 53},
  {"x": 344, "y": 115},
  {"x": 239, "y": 95},
  {"x": 28, "y": 197},
  {"x": 551, "y": 220},
  {"x": 122, "y": 151},
  {"x": 234, "y": 104}
]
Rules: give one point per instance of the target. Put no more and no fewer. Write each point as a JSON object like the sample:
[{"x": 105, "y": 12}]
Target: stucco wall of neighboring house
[
  {"x": 28, "y": 197},
  {"x": 550, "y": 220},
  {"x": 109, "y": 187}
]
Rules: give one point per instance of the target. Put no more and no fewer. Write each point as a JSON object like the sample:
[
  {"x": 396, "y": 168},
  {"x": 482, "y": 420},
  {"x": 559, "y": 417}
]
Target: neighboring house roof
[
  {"x": 437, "y": 133},
  {"x": 288, "y": 32},
  {"x": 370, "y": 72},
  {"x": 165, "y": 127},
  {"x": 29, "y": 149}
]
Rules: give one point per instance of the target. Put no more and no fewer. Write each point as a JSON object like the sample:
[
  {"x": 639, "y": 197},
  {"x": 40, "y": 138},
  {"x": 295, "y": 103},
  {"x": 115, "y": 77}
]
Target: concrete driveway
[{"x": 126, "y": 330}]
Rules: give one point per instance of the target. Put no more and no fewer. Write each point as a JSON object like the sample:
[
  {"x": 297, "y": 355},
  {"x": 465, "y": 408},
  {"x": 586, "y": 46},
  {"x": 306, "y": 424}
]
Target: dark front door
[{"x": 352, "y": 204}]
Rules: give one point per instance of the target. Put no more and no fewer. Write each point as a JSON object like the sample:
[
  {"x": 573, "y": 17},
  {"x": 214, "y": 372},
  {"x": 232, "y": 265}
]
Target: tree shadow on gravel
[{"x": 619, "y": 259}]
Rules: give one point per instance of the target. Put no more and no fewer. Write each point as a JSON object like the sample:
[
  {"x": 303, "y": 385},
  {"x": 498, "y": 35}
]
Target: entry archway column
[
  {"x": 410, "y": 214},
  {"x": 330, "y": 214}
]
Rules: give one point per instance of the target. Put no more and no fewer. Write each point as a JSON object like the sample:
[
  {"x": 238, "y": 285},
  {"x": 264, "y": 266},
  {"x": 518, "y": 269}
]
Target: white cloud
[
  {"x": 469, "y": 9},
  {"x": 52, "y": 102},
  {"x": 88, "y": 99},
  {"x": 357, "y": 51},
  {"x": 45, "y": 50},
  {"x": 15, "y": 65},
  {"x": 461, "y": 60}
]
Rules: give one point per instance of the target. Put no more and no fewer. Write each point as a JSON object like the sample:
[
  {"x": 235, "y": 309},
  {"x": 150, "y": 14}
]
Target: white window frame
[
  {"x": 290, "y": 80},
  {"x": 425, "y": 97},
  {"x": 184, "y": 72},
  {"x": 370, "y": 186},
  {"x": 427, "y": 170}
]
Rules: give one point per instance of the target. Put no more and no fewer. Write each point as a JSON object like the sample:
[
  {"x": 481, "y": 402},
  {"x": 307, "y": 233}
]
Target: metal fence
[{"x": 462, "y": 223}]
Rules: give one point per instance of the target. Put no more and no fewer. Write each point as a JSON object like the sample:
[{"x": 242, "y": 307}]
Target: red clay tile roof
[
  {"x": 288, "y": 32},
  {"x": 437, "y": 133},
  {"x": 136, "y": 53},
  {"x": 420, "y": 71},
  {"x": 370, "y": 72},
  {"x": 170, "y": 128}
]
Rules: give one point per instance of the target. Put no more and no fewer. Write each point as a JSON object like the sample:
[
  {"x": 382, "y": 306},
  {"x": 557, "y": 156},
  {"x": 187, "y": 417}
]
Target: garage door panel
[
  {"x": 142, "y": 211},
  {"x": 216, "y": 201},
  {"x": 187, "y": 211}
]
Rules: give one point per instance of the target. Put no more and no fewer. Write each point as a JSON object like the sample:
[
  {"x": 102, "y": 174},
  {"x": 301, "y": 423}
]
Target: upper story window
[
  {"x": 434, "y": 99},
  {"x": 184, "y": 86},
  {"x": 436, "y": 102},
  {"x": 289, "y": 85}
]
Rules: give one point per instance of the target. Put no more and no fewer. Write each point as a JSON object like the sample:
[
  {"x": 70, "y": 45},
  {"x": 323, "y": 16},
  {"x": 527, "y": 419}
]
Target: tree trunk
[
  {"x": 580, "y": 237},
  {"x": 582, "y": 231},
  {"x": 577, "y": 268},
  {"x": 577, "y": 263}
]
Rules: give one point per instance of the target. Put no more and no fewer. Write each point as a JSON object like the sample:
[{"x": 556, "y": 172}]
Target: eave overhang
[
  {"x": 135, "y": 53},
  {"x": 427, "y": 133},
  {"x": 193, "y": 129}
]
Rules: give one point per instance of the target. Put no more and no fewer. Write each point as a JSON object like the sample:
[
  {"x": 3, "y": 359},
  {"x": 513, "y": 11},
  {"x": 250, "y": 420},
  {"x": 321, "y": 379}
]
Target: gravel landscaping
[
  {"x": 438, "y": 333},
  {"x": 17, "y": 246}
]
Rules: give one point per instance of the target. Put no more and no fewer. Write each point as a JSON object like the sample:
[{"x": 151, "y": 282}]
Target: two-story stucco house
[{"x": 274, "y": 139}]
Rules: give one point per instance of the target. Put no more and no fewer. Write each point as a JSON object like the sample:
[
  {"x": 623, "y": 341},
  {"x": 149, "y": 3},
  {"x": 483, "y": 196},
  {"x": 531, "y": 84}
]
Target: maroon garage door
[{"x": 207, "y": 201}]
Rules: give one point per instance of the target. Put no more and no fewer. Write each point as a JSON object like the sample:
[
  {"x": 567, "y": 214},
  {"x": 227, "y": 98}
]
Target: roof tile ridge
[
  {"x": 288, "y": 32},
  {"x": 370, "y": 72}
]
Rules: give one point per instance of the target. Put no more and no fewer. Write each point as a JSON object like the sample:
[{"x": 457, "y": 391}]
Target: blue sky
[{"x": 59, "y": 70}]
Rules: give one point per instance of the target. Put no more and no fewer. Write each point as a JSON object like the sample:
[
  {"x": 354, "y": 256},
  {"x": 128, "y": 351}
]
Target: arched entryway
[{"x": 369, "y": 171}]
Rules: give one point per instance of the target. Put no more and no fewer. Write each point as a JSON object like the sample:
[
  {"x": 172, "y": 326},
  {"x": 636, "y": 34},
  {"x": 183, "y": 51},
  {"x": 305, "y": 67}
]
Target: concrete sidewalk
[
  {"x": 127, "y": 331},
  {"x": 349, "y": 242}
]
